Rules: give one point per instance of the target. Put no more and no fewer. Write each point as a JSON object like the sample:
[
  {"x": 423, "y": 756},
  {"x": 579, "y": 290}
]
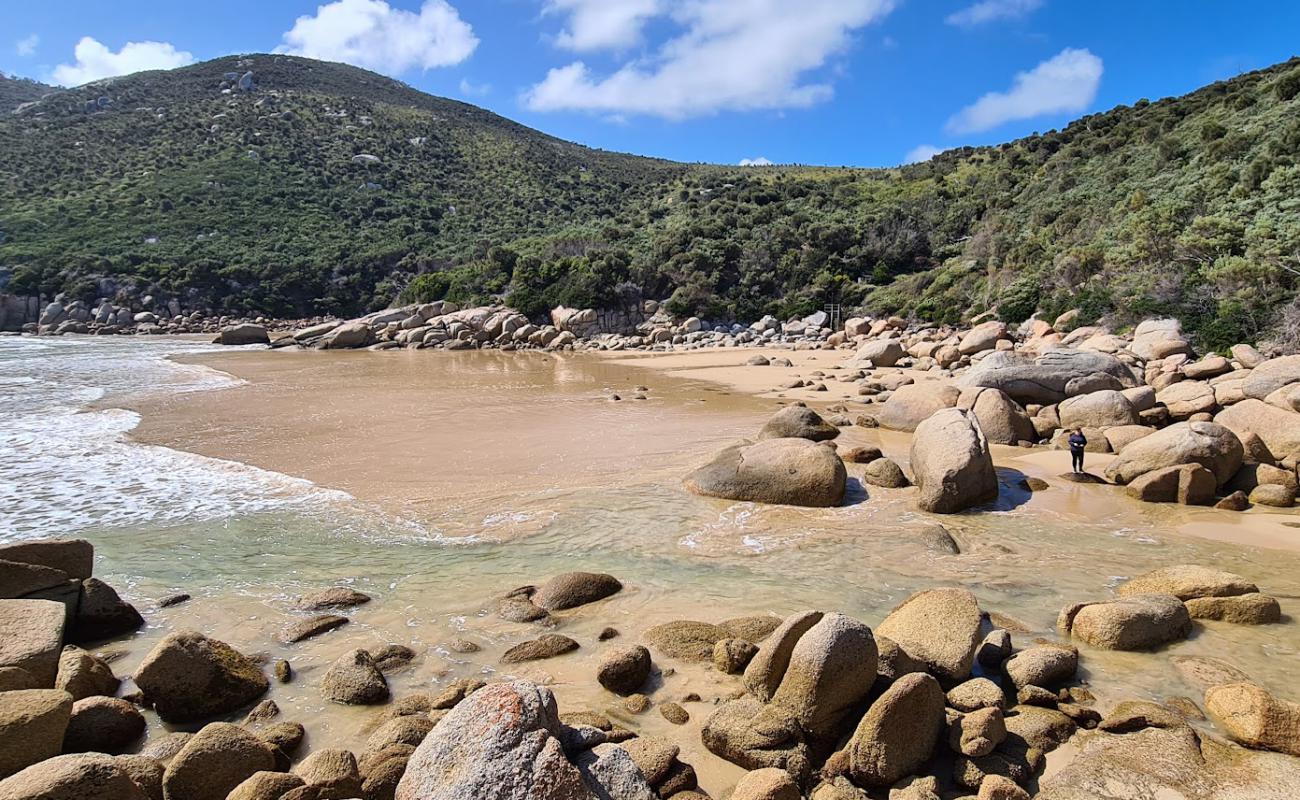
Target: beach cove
[{"x": 438, "y": 482}]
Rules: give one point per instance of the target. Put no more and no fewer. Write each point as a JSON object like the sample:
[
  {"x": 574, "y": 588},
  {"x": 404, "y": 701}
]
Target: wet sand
[
  {"x": 1257, "y": 527},
  {"x": 470, "y": 474}
]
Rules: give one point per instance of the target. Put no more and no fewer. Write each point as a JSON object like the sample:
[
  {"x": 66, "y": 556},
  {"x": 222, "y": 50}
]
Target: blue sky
[{"x": 836, "y": 82}]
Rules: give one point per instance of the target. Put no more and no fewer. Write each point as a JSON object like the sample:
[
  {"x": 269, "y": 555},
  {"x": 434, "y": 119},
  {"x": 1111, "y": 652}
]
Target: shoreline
[{"x": 396, "y": 421}]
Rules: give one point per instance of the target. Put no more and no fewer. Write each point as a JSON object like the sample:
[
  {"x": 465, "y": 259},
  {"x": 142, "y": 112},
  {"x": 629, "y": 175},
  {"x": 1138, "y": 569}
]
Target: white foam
[{"x": 66, "y": 468}]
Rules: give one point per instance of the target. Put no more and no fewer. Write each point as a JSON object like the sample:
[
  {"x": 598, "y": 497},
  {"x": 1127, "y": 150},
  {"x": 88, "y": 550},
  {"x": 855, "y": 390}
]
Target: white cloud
[
  {"x": 373, "y": 34},
  {"x": 603, "y": 24},
  {"x": 727, "y": 55},
  {"x": 95, "y": 61},
  {"x": 922, "y": 152},
  {"x": 27, "y": 46},
  {"x": 991, "y": 10},
  {"x": 1066, "y": 82},
  {"x": 756, "y": 162}
]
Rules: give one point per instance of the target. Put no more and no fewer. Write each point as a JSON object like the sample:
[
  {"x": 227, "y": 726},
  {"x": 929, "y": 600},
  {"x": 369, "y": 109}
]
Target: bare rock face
[
  {"x": 246, "y": 333},
  {"x": 913, "y": 404},
  {"x": 830, "y": 671},
  {"x": 1044, "y": 665},
  {"x": 188, "y": 677},
  {"x": 951, "y": 463},
  {"x": 940, "y": 629},
  {"x": 1187, "y": 581},
  {"x": 1278, "y": 429},
  {"x": 1001, "y": 420},
  {"x": 216, "y": 760},
  {"x": 898, "y": 733},
  {"x": 766, "y": 784},
  {"x": 623, "y": 670},
  {"x": 573, "y": 589},
  {"x": 764, "y": 673},
  {"x": 354, "y": 679},
  {"x": 32, "y": 725},
  {"x": 1173, "y": 763},
  {"x": 1055, "y": 375},
  {"x": 1254, "y": 717},
  {"x": 798, "y": 422},
  {"x": 84, "y": 675},
  {"x": 779, "y": 471},
  {"x": 1213, "y": 446},
  {"x": 74, "y": 777},
  {"x": 1135, "y": 622},
  {"x": 31, "y": 637},
  {"x": 756, "y": 736},
  {"x": 1107, "y": 408},
  {"x": 1186, "y": 484},
  {"x": 502, "y": 742}
]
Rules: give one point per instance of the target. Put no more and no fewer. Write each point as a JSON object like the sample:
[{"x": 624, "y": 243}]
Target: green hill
[
  {"x": 317, "y": 187},
  {"x": 16, "y": 91}
]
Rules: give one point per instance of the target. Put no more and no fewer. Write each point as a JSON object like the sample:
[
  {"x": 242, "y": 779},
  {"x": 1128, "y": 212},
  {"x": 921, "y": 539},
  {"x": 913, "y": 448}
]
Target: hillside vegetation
[
  {"x": 311, "y": 187},
  {"x": 16, "y": 91}
]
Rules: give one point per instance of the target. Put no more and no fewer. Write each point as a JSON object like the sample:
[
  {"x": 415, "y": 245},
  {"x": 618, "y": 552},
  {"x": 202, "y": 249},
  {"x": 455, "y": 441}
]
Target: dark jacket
[{"x": 1077, "y": 442}]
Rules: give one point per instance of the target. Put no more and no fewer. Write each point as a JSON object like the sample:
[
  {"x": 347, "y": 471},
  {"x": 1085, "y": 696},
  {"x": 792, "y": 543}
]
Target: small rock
[
  {"x": 623, "y": 670},
  {"x": 674, "y": 713},
  {"x": 548, "y": 645},
  {"x": 355, "y": 680}
]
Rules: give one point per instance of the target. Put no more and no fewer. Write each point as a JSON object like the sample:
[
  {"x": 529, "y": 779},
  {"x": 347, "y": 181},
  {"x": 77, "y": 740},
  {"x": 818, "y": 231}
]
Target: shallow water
[{"x": 435, "y": 482}]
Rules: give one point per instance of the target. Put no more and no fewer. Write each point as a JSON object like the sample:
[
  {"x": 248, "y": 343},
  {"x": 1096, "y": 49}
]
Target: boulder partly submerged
[
  {"x": 188, "y": 677},
  {"x": 787, "y": 471},
  {"x": 798, "y": 422},
  {"x": 1134, "y": 622},
  {"x": 951, "y": 463}
]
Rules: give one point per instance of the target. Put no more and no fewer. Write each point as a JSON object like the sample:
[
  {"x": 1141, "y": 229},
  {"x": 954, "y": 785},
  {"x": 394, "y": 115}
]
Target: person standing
[{"x": 1077, "y": 444}]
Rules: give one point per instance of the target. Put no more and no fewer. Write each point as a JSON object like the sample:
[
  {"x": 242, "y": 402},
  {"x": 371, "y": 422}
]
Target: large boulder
[
  {"x": 1001, "y": 420},
  {"x": 354, "y": 679},
  {"x": 88, "y": 776},
  {"x": 756, "y": 736},
  {"x": 84, "y": 675},
  {"x": 1211, "y": 445},
  {"x": 216, "y": 760},
  {"x": 766, "y": 784},
  {"x": 347, "y": 336},
  {"x": 102, "y": 614},
  {"x": 1277, "y": 428},
  {"x": 1044, "y": 665},
  {"x": 1270, "y": 376},
  {"x": 189, "y": 677},
  {"x": 1188, "y": 484},
  {"x": 881, "y": 353},
  {"x": 939, "y": 628},
  {"x": 780, "y": 471},
  {"x": 103, "y": 725},
  {"x": 31, "y": 637},
  {"x": 502, "y": 741},
  {"x": 982, "y": 337},
  {"x": 831, "y": 670},
  {"x": 1105, "y": 409},
  {"x": 686, "y": 639},
  {"x": 623, "y": 670},
  {"x": 1254, "y": 717},
  {"x": 951, "y": 463},
  {"x": 73, "y": 557},
  {"x": 898, "y": 733},
  {"x": 573, "y": 589},
  {"x": 1187, "y": 581},
  {"x": 798, "y": 422},
  {"x": 1135, "y": 622},
  {"x": 1052, "y": 377},
  {"x": 1187, "y": 398},
  {"x": 246, "y": 333},
  {"x": 764, "y": 673},
  {"x": 914, "y": 403},
  {"x": 32, "y": 724},
  {"x": 1175, "y": 763}
]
